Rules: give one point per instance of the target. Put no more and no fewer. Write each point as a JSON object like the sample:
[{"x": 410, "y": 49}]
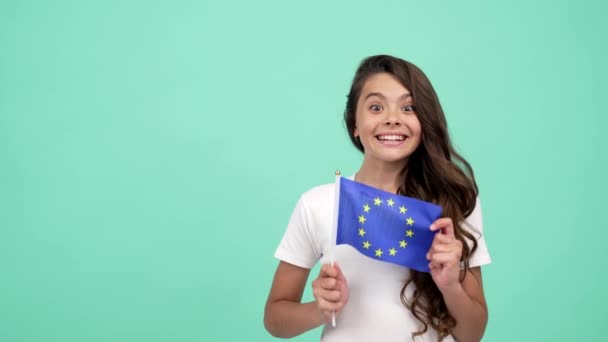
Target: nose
[{"x": 392, "y": 118}]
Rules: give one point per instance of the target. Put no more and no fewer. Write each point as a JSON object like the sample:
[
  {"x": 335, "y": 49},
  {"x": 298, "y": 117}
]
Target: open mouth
[{"x": 391, "y": 137}]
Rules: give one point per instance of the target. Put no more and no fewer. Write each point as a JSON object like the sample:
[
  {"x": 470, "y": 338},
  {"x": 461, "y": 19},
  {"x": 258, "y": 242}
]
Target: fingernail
[{"x": 432, "y": 226}]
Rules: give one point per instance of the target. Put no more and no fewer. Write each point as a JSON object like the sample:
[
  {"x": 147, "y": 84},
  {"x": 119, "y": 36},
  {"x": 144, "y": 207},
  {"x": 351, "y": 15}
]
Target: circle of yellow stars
[{"x": 409, "y": 221}]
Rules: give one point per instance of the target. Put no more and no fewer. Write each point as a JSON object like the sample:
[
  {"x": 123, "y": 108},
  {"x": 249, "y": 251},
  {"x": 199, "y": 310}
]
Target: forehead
[{"x": 385, "y": 84}]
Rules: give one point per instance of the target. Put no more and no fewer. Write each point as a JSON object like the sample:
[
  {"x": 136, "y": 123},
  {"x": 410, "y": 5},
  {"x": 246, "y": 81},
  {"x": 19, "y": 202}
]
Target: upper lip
[{"x": 391, "y": 133}]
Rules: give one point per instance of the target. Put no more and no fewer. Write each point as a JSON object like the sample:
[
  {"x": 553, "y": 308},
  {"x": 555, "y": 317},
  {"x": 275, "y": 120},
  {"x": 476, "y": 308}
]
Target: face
[{"x": 386, "y": 121}]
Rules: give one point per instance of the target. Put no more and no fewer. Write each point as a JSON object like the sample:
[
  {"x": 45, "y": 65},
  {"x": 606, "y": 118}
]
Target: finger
[
  {"x": 332, "y": 296},
  {"x": 438, "y": 244},
  {"x": 433, "y": 266},
  {"x": 445, "y": 225},
  {"x": 440, "y": 248},
  {"x": 329, "y": 271},
  {"x": 439, "y": 223},
  {"x": 326, "y": 305},
  {"x": 449, "y": 230},
  {"x": 443, "y": 239},
  {"x": 446, "y": 259},
  {"x": 430, "y": 251},
  {"x": 339, "y": 275},
  {"x": 328, "y": 283},
  {"x": 446, "y": 244}
]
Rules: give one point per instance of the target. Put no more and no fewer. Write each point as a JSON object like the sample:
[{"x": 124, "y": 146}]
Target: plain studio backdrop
[{"x": 152, "y": 152}]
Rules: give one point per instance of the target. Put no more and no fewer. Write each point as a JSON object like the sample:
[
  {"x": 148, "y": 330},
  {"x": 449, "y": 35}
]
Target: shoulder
[
  {"x": 318, "y": 198},
  {"x": 474, "y": 225},
  {"x": 475, "y": 218},
  {"x": 319, "y": 192},
  {"x": 322, "y": 192}
]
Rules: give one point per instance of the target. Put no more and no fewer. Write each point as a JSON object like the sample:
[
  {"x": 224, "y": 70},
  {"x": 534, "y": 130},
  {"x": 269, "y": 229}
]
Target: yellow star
[
  {"x": 361, "y": 219},
  {"x": 402, "y": 209},
  {"x": 402, "y": 243},
  {"x": 366, "y": 208},
  {"x": 390, "y": 202},
  {"x": 366, "y": 245},
  {"x": 392, "y": 251},
  {"x": 361, "y": 231},
  {"x": 410, "y": 221},
  {"x": 378, "y": 252},
  {"x": 409, "y": 233},
  {"x": 377, "y": 201}
]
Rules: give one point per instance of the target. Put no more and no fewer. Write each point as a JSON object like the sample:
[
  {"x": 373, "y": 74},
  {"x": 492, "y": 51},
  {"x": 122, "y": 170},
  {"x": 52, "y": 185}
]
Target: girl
[{"x": 394, "y": 117}]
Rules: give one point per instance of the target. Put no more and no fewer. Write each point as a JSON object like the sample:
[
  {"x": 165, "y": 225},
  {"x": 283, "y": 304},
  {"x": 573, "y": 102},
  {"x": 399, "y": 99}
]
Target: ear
[{"x": 356, "y": 132}]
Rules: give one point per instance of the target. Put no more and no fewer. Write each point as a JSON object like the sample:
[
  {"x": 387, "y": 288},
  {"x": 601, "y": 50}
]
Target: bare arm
[
  {"x": 285, "y": 316},
  {"x": 464, "y": 300},
  {"x": 467, "y": 304}
]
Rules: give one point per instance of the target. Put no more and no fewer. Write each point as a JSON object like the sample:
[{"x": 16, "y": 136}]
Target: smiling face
[{"x": 386, "y": 121}]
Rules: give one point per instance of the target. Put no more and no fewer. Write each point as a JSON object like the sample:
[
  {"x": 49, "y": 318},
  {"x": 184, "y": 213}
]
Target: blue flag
[{"x": 385, "y": 226}]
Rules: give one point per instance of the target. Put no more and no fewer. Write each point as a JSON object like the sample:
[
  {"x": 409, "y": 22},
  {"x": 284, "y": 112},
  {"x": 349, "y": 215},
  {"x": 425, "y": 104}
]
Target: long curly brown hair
[{"x": 435, "y": 173}]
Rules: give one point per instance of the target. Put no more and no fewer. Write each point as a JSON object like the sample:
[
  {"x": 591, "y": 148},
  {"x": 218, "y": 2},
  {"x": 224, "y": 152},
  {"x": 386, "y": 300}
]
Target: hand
[
  {"x": 444, "y": 255},
  {"x": 330, "y": 291}
]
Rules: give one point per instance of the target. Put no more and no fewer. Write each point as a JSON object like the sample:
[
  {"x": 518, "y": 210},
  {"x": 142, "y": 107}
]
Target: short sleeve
[
  {"x": 474, "y": 225},
  {"x": 298, "y": 245}
]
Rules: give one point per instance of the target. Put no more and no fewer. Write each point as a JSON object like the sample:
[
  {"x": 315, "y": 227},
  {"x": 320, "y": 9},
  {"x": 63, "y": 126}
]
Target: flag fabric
[{"x": 385, "y": 226}]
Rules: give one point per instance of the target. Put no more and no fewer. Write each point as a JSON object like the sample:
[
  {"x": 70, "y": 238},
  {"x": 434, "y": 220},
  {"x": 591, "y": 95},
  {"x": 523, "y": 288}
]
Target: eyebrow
[{"x": 402, "y": 97}]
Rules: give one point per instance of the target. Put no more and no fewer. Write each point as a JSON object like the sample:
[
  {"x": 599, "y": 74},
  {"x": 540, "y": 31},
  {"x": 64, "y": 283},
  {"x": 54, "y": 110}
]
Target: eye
[
  {"x": 375, "y": 108},
  {"x": 408, "y": 108}
]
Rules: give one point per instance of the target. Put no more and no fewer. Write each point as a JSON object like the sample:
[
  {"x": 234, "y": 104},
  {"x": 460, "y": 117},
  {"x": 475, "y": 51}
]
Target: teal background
[{"x": 151, "y": 154}]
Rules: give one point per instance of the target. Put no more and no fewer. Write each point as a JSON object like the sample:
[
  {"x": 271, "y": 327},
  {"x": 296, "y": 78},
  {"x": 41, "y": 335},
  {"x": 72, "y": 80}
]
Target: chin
[{"x": 393, "y": 159}]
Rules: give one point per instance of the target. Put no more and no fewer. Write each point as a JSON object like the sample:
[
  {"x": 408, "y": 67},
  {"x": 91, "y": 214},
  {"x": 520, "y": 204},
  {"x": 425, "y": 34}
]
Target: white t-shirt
[{"x": 374, "y": 311}]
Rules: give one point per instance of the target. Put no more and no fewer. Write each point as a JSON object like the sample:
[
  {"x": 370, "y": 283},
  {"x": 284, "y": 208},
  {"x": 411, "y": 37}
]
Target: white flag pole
[{"x": 334, "y": 234}]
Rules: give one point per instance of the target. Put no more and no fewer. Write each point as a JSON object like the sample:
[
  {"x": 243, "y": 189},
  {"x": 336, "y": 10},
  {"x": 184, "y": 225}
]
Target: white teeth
[{"x": 391, "y": 137}]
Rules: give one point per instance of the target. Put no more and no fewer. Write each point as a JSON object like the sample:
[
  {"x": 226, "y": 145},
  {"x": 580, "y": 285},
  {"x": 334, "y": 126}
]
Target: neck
[{"x": 383, "y": 176}]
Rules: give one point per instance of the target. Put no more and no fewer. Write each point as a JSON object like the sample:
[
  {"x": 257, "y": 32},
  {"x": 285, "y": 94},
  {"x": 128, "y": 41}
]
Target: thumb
[{"x": 339, "y": 274}]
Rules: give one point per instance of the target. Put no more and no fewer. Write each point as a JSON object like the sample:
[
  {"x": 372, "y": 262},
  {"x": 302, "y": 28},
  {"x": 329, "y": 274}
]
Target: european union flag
[{"x": 385, "y": 226}]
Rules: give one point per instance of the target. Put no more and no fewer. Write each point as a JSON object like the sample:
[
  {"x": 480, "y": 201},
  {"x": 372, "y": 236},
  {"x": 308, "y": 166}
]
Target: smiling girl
[{"x": 394, "y": 117}]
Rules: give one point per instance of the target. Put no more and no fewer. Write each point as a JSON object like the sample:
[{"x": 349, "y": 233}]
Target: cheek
[
  {"x": 364, "y": 131},
  {"x": 360, "y": 125},
  {"x": 416, "y": 127}
]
